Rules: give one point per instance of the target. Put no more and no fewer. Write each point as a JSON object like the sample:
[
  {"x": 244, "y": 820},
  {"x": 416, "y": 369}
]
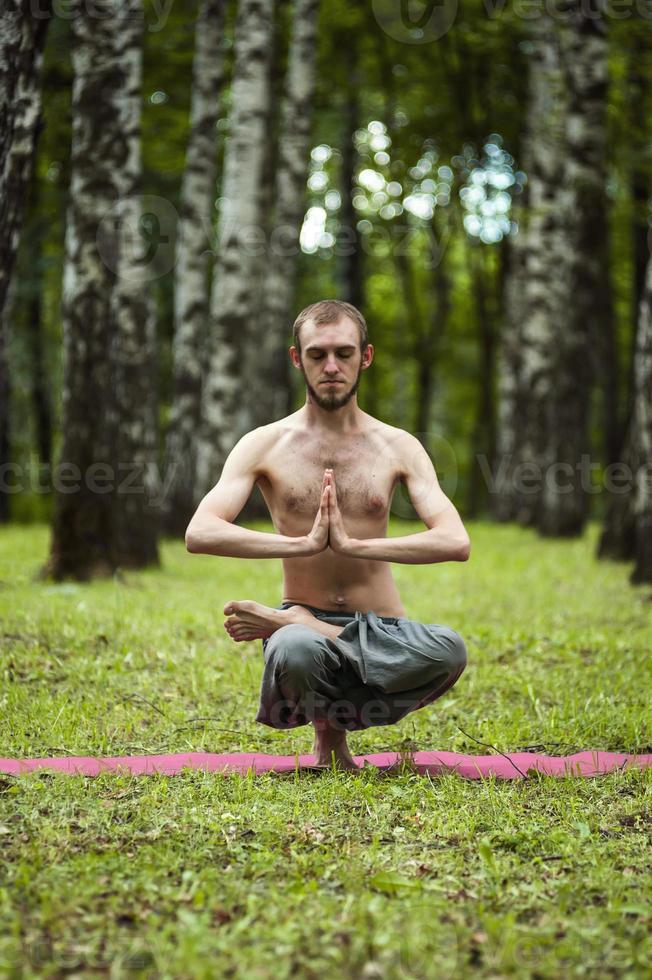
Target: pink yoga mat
[{"x": 515, "y": 766}]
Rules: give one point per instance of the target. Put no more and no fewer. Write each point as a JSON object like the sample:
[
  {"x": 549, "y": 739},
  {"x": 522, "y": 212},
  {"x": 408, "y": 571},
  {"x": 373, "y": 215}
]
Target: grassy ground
[{"x": 340, "y": 875}]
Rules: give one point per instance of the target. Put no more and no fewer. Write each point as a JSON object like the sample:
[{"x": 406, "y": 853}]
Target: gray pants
[{"x": 375, "y": 672}]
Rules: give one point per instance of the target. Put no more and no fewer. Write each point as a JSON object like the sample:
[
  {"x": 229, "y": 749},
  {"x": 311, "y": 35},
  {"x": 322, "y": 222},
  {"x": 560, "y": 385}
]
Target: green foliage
[
  {"x": 447, "y": 93},
  {"x": 336, "y": 875}
]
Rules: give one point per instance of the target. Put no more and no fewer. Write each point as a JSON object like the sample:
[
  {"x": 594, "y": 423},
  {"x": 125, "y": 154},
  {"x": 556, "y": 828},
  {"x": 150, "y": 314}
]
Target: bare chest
[{"x": 364, "y": 480}]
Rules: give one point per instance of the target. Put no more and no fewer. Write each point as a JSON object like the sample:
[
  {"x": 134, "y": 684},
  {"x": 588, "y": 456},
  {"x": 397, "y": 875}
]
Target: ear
[
  {"x": 367, "y": 356},
  {"x": 295, "y": 357}
]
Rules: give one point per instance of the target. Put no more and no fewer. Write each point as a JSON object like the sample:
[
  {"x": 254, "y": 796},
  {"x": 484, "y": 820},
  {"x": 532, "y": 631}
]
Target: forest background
[{"x": 181, "y": 179}]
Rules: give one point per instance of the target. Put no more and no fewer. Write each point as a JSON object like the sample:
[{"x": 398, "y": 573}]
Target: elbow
[
  {"x": 463, "y": 549},
  {"x": 193, "y": 542}
]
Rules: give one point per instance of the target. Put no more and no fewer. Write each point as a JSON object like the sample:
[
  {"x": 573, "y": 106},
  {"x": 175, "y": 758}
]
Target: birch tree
[
  {"x": 133, "y": 349},
  {"x": 583, "y": 341},
  {"x": 268, "y": 354},
  {"x": 22, "y": 38},
  {"x": 559, "y": 280},
  {"x": 509, "y": 400},
  {"x": 5, "y": 394},
  {"x": 83, "y": 528},
  {"x": 192, "y": 268},
  {"x": 107, "y": 327},
  {"x": 240, "y": 240},
  {"x": 642, "y": 438},
  {"x": 545, "y": 283}
]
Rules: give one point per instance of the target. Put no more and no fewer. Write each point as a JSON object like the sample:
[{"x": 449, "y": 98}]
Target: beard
[{"x": 334, "y": 398}]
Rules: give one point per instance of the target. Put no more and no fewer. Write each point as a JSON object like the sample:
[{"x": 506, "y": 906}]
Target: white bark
[
  {"x": 267, "y": 351},
  {"x": 234, "y": 302},
  {"x": 193, "y": 255},
  {"x": 134, "y": 331},
  {"x": 546, "y": 361},
  {"x": 22, "y": 37},
  {"x": 582, "y": 337},
  {"x": 83, "y": 542},
  {"x": 545, "y": 284}
]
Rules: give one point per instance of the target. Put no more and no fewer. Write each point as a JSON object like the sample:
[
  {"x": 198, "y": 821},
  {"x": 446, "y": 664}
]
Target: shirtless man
[{"x": 327, "y": 473}]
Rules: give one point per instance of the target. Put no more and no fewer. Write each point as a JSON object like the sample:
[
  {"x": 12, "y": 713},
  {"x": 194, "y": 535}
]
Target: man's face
[{"x": 331, "y": 362}]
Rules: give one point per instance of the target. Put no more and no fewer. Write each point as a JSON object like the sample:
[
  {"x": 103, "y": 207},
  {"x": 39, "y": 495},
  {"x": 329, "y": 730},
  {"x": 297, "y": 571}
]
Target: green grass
[{"x": 340, "y": 875}]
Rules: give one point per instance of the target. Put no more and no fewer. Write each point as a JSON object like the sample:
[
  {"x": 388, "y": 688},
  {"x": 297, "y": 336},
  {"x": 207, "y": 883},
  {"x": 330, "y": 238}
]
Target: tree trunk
[
  {"x": 134, "y": 331},
  {"x": 639, "y": 71},
  {"x": 509, "y": 410},
  {"x": 22, "y": 38},
  {"x": 233, "y": 295},
  {"x": 32, "y": 246},
  {"x": 642, "y": 438},
  {"x": 546, "y": 290},
  {"x": 484, "y": 432},
  {"x": 192, "y": 270},
  {"x": 269, "y": 358},
  {"x": 84, "y": 529},
  {"x": 350, "y": 270},
  {"x": 5, "y": 398},
  {"x": 584, "y": 343},
  {"x": 617, "y": 540}
]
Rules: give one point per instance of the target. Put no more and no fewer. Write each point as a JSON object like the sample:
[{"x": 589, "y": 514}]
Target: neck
[{"x": 340, "y": 420}]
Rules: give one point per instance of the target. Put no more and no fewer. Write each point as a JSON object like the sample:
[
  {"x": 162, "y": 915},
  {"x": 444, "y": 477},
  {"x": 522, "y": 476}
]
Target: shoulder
[
  {"x": 254, "y": 447},
  {"x": 401, "y": 445}
]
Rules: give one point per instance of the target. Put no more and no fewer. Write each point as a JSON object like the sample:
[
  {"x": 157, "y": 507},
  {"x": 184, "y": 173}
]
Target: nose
[{"x": 331, "y": 365}]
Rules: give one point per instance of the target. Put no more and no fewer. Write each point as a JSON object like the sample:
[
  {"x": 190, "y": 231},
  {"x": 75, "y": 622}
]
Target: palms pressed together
[{"x": 251, "y": 620}]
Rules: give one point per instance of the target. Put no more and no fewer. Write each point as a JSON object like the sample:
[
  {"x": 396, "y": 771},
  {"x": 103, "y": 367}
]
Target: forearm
[
  {"x": 422, "y": 548},
  {"x": 219, "y": 537}
]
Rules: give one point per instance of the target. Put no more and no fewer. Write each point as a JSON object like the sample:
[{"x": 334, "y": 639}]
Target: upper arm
[
  {"x": 426, "y": 495},
  {"x": 239, "y": 474}
]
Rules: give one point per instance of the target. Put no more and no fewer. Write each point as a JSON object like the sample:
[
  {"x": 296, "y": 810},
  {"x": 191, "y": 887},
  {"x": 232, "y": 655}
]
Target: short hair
[{"x": 330, "y": 311}]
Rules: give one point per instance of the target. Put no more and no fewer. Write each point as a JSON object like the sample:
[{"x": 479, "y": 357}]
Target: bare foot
[
  {"x": 252, "y": 620},
  {"x": 330, "y": 748}
]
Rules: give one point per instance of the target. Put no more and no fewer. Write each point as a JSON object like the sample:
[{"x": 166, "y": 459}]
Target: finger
[{"x": 333, "y": 495}]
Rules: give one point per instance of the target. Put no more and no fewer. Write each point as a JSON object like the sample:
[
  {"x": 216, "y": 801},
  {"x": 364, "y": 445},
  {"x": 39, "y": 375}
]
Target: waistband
[{"x": 335, "y": 613}]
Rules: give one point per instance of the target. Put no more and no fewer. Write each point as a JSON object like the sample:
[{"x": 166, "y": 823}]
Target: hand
[
  {"x": 338, "y": 539},
  {"x": 318, "y": 538}
]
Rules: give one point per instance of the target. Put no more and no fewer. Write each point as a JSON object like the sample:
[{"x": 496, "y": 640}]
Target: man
[{"x": 339, "y": 652}]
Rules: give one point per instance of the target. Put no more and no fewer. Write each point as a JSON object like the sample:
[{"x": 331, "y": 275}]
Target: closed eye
[{"x": 344, "y": 355}]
